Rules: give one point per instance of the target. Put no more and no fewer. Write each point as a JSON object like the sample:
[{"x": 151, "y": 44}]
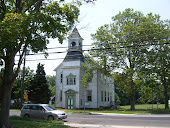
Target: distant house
[{"x": 70, "y": 93}]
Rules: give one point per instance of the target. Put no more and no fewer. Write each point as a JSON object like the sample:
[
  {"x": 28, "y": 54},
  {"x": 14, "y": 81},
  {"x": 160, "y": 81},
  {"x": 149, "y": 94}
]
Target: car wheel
[
  {"x": 26, "y": 115},
  {"x": 50, "y": 118}
]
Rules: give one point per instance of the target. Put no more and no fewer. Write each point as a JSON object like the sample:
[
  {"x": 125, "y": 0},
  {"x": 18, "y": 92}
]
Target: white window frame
[
  {"x": 89, "y": 95},
  {"x": 71, "y": 79}
]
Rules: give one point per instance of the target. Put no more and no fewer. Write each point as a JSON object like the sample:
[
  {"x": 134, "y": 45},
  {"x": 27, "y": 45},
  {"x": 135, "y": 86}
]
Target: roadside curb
[
  {"x": 96, "y": 113},
  {"x": 136, "y": 115}
]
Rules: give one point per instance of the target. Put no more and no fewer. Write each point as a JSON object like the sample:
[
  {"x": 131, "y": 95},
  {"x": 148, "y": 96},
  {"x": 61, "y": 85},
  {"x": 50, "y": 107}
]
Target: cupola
[
  {"x": 74, "y": 52},
  {"x": 75, "y": 41}
]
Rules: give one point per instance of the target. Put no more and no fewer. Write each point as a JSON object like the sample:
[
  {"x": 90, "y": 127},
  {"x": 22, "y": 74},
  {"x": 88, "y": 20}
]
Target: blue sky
[{"x": 92, "y": 16}]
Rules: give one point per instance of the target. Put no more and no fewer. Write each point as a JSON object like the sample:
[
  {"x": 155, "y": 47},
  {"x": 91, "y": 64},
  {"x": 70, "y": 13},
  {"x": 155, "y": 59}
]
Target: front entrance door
[{"x": 70, "y": 102}]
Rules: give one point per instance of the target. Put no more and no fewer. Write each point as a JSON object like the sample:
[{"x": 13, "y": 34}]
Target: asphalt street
[
  {"x": 118, "y": 121},
  {"x": 107, "y": 120}
]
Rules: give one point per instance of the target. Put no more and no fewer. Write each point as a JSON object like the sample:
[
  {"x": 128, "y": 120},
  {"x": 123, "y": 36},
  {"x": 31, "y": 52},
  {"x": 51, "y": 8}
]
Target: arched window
[
  {"x": 73, "y": 44},
  {"x": 71, "y": 79}
]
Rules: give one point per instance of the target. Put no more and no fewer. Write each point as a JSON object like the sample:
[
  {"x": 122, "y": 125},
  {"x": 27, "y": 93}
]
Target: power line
[
  {"x": 45, "y": 59},
  {"x": 66, "y": 47},
  {"x": 93, "y": 56},
  {"x": 101, "y": 49}
]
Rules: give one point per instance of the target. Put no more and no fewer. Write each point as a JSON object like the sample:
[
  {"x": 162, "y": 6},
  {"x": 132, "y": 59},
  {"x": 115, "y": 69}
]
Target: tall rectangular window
[
  {"x": 105, "y": 96},
  {"x": 108, "y": 97},
  {"x": 60, "y": 95},
  {"x": 89, "y": 95},
  {"x": 81, "y": 102},
  {"x": 102, "y": 96},
  {"x": 61, "y": 78},
  {"x": 71, "y": 81}
]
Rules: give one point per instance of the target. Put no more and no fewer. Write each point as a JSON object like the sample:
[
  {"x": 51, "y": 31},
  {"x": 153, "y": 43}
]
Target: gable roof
[{"x": 58, "y": 67}]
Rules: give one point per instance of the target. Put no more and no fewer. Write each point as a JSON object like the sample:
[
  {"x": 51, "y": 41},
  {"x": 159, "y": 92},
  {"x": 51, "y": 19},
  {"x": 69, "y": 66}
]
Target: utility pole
[{"x": 23, "y": 77}]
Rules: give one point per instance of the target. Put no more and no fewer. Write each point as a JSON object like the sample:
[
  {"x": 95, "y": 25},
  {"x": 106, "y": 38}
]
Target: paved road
[
  {"x": 118, "y": 121},
  {"x": 114, "y": 120}
]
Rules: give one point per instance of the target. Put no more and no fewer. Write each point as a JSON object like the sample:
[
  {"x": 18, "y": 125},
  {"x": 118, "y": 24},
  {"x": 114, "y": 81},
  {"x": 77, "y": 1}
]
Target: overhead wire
[
  {"x": 128, "y": 46},
  {"x": 93, "y": 56}
]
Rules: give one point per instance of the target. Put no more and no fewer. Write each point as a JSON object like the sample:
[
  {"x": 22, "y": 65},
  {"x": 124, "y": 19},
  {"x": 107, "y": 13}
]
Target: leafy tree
[
  {"x": 150, "y": 89},
  {"x": 126, "y": 42},
  {"x": 160, "y": 65},
  {"x": 28, "y": 24},
  {"x": 52, "y": 90},
  {"x": 117, "y": 99},
  {"x": 39, "y": 90},
  {"x": 88, "y": 67},
  {"x": 51, "y": 83},
  {"x": 51, "y": 80},
  {"x": 16, "y": 90}
]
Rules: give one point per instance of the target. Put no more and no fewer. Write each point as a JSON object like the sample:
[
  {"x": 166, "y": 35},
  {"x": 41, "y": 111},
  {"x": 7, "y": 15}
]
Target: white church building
[{"x": 70, "y": 93}]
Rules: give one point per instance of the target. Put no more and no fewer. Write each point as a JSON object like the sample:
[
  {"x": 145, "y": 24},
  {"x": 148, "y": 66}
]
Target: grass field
[
  {"x": 140, "y": 109},
  {"x": 21, "y": 122}
]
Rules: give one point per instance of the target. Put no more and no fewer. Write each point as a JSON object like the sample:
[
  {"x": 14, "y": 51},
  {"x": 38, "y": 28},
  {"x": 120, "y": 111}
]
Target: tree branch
[
  {"x": 38, "y": 5},
  {"x": 19, "y": 63},
  {"x": 3, "y": 7},
  {"x": 19, "y": 6}
]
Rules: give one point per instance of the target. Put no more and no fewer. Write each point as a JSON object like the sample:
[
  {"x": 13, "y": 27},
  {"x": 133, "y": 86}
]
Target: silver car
[{"x": 42, "y": 111}]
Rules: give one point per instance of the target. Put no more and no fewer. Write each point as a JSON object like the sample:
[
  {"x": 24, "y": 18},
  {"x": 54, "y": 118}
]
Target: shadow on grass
[{"x": 23, "y": 122}]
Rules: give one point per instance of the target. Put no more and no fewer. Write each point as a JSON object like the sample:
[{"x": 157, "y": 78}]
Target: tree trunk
[
  {"x": 132, "y": 98},
  {"x": 132, "y": 87},
  {"x": 166, "y": 96},
  {"x": 6, "y": 88},
  {"x": 4, "y": 106},
  {"x": 164, "y": 81}
]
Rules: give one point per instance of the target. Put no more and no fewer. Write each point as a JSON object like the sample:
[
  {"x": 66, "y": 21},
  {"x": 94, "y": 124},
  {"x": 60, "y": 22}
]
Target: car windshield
[{"x": 49, "y": 108}]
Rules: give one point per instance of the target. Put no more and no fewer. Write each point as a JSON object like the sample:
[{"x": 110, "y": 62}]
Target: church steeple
[
  {"x": 75, "y": 41},
  {"x": 74, "y": 47}
]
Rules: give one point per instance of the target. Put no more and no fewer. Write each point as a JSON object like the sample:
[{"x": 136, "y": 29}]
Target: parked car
[{"x": 42, "y": 111}]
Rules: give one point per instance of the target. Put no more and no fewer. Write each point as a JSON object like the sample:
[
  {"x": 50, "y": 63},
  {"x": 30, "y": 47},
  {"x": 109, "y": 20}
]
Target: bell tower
[
  {"x": 74, "y": 47},
  {"x": 75, "y": 41}
]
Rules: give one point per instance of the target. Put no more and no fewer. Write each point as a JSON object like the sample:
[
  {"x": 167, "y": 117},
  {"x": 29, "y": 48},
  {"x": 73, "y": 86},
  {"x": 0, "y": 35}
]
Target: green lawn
[
  {"x": 21, "y": 122},
  {"x": 140, "y": 109}
]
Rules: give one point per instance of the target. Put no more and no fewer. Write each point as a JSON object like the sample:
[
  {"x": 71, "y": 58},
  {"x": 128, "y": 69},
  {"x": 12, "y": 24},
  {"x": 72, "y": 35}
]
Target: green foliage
[
  {"x": 39, "y": 90},
  {"x": 117, "y": 99},
  {"x": 16, "y": 90},
  {"x": 52, "y": 90},
  {"x": 51, "y": 83},
  {"x": 25, "y": 24},
  {"x": 127, "y": 44},
  {"x": 89, "y": 66},
  {"x": 88, "y": 71},
  {"x": 122, "y": 82},
  {"x": 51, "y": 80},
  {"x": 28, "y": 23}
]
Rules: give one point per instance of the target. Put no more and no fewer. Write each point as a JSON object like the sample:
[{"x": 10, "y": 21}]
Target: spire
[{"x": 75, "y": 34}]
